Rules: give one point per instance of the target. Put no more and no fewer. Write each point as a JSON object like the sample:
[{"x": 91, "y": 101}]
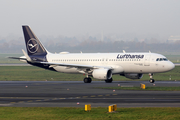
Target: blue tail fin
[{"x": 33, "y": 45}]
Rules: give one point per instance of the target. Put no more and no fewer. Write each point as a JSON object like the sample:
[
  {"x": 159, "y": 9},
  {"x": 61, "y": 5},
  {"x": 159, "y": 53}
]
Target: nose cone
[{"x": 170, "y": 66}]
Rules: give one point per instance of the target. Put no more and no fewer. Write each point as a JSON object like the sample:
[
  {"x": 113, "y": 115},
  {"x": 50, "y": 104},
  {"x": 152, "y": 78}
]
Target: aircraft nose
[{"x": 171, "y": 66}]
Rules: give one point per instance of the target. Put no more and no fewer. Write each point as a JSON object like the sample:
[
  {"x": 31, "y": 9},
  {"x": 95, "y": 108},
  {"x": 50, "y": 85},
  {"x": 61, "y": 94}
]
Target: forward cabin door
[{"x": 147, "y": 60}]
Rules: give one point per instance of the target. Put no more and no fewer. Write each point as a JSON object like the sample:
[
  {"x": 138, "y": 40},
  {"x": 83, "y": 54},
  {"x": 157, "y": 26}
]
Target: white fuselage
[
  {"x": 118, "y": 62},
  {"x": 97, "y": 65}
]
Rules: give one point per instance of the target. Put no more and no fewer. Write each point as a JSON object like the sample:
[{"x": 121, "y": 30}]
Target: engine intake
[{"x": 102, "y": 74}]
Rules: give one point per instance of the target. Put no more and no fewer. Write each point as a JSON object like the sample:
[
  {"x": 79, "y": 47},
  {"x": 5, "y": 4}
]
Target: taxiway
[{"x": 70, "y": 93}]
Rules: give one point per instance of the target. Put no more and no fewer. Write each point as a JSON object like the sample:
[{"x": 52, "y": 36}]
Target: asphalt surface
[{"x": 77, "y": 94}]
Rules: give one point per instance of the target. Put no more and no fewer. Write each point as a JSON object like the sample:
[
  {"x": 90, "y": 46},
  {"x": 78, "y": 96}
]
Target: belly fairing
[{"x": 66, "y": 69}]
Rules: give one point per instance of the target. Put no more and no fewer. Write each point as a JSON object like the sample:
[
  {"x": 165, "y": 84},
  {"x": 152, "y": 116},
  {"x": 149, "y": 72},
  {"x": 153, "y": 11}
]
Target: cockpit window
[
  {"x": 165, "y": 59},
  {"x": 161, "y": 59}
]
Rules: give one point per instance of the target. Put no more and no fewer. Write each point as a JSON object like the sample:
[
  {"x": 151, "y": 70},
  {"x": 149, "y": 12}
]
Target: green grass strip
[
  {"x": 31, "y": 73},
  {"x": 55, "y": 113}
]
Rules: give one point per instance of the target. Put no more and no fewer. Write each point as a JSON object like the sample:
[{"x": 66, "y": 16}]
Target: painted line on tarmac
[
  {"x": 93, "y": 96},
  {"x": 20, "y": 101},
  {"x": 54, "y": 99}
]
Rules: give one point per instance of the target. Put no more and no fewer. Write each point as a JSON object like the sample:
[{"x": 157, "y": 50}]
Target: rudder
[{"x": 33, "y": 45}]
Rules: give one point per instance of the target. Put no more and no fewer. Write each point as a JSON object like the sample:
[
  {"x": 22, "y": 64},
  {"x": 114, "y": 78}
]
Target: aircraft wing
[{"x": 75, "y": 65}]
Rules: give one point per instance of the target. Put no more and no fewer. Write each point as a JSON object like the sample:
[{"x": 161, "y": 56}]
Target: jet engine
[
  {"x": 102, "y": 74},
  {"x": 133, "y": 76}
]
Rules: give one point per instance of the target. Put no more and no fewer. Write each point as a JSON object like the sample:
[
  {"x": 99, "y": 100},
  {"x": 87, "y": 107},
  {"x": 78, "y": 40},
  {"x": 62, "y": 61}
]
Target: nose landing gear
[{"x": 151, "y": 78}]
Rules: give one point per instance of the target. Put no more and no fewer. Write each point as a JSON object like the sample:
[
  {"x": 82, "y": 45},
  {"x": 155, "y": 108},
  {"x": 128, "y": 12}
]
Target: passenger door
[{"x": 147, "y": 60}]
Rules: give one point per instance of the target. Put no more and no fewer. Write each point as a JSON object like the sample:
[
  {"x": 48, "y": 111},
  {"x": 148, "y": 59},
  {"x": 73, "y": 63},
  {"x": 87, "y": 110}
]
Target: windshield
[{"x": 161, "y": 59}]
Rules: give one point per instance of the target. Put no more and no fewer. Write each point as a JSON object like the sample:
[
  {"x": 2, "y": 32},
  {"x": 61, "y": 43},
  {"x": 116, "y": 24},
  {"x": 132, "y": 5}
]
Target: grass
[
  {"x": 4, "y": 58},
  {"x": 147, "y": 88},
  {"x": 55, "y": 113},
  {"x": 31, "y": 73}
]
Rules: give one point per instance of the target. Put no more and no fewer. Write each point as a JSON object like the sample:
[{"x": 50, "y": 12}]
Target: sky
[{"x": 80, "y": 17}]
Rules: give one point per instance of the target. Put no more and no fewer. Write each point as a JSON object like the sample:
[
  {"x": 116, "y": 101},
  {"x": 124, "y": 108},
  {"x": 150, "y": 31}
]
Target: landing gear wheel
[
  {"x": 109, "y": 80},
  {"x": 151, "y": 80},
  {"x": 87, "y": 80}
]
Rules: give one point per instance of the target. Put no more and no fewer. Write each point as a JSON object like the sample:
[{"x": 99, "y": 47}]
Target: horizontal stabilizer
[{"x": 19, "y": 58}]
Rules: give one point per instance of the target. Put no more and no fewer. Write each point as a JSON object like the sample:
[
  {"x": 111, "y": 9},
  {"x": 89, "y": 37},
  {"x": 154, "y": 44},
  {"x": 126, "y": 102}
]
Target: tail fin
[{"x": 33, "y": 45}]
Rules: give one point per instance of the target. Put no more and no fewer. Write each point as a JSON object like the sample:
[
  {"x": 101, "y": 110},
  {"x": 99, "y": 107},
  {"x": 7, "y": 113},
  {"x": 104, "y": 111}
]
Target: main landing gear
[
  {"x": 87, "y": 80},
  {"x": 151, "y": 79}
]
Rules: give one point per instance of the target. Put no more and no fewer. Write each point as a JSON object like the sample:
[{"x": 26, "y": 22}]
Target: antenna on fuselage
[{"x": 124, "y": 51}]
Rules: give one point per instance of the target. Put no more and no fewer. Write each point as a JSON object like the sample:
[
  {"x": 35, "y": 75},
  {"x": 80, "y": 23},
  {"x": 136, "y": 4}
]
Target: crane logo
[{"x": 32, "y": 45}]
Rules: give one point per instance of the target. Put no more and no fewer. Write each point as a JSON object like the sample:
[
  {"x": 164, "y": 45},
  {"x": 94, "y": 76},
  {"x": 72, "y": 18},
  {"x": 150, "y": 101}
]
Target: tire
[
  {"x": 87, "y": 80},
  {"x": 151, "y": 80}
]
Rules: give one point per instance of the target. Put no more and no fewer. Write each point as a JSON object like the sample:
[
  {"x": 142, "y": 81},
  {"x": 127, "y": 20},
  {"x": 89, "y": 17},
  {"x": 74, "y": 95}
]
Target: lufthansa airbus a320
[{"x": 97, "y": 65}]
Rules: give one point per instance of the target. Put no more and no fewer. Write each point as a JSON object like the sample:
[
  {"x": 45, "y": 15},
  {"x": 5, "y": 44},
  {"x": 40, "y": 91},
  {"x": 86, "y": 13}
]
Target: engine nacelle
[
  {"x": 102, "y": 74},
  {"x": 133, "y": 76}
]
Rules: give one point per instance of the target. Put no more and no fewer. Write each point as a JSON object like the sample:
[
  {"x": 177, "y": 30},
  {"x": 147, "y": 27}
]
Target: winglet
[{"x": 25, "y": 54}]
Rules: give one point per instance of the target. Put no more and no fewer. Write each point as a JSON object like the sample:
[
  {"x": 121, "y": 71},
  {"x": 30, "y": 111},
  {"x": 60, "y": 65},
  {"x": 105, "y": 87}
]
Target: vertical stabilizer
[{"x": 33, "y": 45}]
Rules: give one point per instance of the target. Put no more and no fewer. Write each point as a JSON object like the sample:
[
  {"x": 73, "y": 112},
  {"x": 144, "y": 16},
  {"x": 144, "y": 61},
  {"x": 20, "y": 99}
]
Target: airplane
[{"x": 97, "y": 65}]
